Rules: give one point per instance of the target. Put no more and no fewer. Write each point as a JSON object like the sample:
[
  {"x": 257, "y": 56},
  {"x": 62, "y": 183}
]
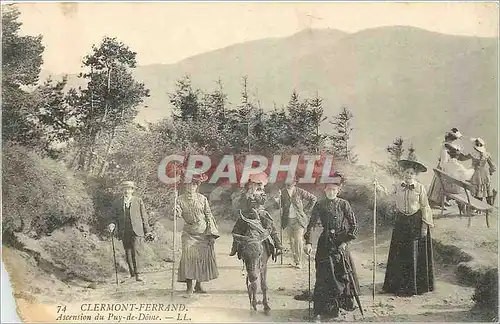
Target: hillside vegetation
[{"x": 66, "y": 149}]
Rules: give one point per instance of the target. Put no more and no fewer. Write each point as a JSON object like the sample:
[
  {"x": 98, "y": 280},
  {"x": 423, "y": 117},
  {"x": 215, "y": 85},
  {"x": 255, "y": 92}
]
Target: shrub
[
  {"x": 486, "y": 293},
  {"x": 103, "y": 194},
  {"x": 40, "y": 194}
]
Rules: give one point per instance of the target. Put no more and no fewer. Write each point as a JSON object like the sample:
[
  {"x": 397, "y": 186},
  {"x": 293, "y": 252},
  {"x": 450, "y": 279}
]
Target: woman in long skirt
[
  {"x": 483, "y": 170},
  {"x": 410, "y": 265},
  {"x": 334, "y": 288},
  {"x": 200, "y": 231}
]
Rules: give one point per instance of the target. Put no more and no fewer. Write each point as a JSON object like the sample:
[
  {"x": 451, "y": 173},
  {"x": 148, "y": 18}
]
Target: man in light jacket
[{"x": 296, "y": 204}]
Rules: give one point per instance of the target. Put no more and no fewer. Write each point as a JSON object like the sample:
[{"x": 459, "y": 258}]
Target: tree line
[
  {"x": 92, "y": 132},
  {"x": 84, "y": 126}
]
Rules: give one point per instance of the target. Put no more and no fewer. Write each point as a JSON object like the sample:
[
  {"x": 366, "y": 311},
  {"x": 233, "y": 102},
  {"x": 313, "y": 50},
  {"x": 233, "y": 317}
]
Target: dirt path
[{"x": 227, "y": 300}]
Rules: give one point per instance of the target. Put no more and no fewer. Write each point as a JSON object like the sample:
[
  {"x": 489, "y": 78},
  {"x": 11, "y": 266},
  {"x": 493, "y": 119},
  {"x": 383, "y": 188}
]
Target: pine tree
[
  {"x": 316, "y": 112},
  {"x": 21, "y": 65},
  {"x": 275, "y": 131},
  {"x": 241, "y": 121},
  {"x": 395, "y": 151},
  {"x": 304, "y": 119},
  {"x": 411, "y": 153},
  {"x": 186, "y": 100},
  {"x": 57, "y": 119},
  {"x": 340, "y": 139},
  {"x": 110, "y": 100}
]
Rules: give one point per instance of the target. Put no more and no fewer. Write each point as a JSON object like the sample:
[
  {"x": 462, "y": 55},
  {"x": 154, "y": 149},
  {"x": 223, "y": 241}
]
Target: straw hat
[
  {"x": 128, "y": 184},
  {"x": 479, "y": 144}
]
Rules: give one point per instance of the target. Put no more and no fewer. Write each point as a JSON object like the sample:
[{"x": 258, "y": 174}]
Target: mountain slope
[{"x": 398, "y": 81}]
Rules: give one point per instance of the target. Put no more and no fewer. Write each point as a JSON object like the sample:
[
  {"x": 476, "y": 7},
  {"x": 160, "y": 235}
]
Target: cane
[
  {"x": 281, "y": 228},
  {"x": 174, "y": 232},
  {"x": 309, "y": 285},
  {"x": 374, "y": 238},
  {"x": 114, "y": 257}
]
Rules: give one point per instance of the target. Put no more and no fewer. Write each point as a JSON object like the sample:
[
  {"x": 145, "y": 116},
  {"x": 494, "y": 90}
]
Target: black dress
[
  {"x": 410, "y": 265},
  {"x": 333, "y": 289}
]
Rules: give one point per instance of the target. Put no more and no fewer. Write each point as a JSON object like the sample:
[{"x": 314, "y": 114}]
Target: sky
[{"x": 164, "y": 32}]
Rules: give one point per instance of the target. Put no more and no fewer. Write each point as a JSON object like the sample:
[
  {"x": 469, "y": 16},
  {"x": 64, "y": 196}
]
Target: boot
[
  {"x": 234, "y": 249},
  {"x": 277, "y": 244},
  {"x": 198, "y": 289},
  {"x": 189, "y": 286},
  {"x": 491, "y": 199}
]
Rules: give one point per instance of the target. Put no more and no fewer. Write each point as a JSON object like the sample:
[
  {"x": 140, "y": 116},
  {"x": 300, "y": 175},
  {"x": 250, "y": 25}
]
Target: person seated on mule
[
  {"x": 410, "y": 264},
  {"x": 251, "y": 207}
]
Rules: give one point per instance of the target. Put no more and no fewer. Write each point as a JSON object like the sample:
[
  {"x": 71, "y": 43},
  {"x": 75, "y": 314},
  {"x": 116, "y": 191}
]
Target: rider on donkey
[{"x": 251, "y": 207}]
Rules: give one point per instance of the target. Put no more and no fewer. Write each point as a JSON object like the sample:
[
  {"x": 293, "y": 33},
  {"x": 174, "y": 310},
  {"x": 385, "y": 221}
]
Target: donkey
[{"x": 252, "y": 235}]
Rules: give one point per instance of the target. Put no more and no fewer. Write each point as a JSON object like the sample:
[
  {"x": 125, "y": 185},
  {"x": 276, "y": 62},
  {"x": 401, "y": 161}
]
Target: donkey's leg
[
  {"x": 249, "y": 292},
  {"x": 263, "y": 283},
  {"x": 252, "y": 277},
  {"x": 252, "y": 282}
]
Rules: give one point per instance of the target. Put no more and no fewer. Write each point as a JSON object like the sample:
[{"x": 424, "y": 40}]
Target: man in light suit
[
  {"x": 296, "y": 203},
  {"x": 131, "y": 218}
]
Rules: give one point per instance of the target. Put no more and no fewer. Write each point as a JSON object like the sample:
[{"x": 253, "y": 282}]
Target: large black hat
[{"x": 414, "y": 164}]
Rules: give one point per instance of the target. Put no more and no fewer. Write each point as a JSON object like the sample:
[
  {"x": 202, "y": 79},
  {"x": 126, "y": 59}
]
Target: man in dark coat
[{"x": 131, "y": 219}]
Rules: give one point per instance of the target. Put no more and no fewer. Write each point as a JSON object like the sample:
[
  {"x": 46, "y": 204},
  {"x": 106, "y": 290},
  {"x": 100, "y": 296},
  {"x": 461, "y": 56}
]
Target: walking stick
[
  {"x": 309, "y": 285},
  {"x": 374, "y": 238},
  {"x": 281, "y": 229},
  {"x": 174, "y": 233},
  {"x": 114, "y": 257}
]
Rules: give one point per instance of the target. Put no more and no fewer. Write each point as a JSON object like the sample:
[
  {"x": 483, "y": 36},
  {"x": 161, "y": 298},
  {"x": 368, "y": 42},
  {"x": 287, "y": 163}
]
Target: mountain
[{"x": 397, "y": 81}]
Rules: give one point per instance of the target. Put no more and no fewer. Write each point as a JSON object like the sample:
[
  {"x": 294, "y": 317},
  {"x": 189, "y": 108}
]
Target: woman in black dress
[
  {"x": 410, "y": 265},
  {"x": 333, "y": 288}
]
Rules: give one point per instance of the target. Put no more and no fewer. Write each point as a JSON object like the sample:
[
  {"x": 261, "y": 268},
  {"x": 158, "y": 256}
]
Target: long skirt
[
  {"x": 198, "y": 259},
  {"x": 333, "y": 289},
  {"x": 435, "y": 194},
  {"x": 410, "y": 265}
]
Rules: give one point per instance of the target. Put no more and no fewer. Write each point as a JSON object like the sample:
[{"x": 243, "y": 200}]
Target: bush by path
[{"x": 40, "y": 194}]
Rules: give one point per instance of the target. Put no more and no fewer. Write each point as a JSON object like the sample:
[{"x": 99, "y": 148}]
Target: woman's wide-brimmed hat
[
  {"x": 479, "y": 144},
  {"x": 128, "y": 184},
  {"x": 414, "y": 164}
]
